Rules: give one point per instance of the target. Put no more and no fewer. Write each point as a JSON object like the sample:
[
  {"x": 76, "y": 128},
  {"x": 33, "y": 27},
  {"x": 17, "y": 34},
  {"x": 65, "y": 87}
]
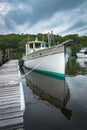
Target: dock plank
[
  {"x": 10, "y": 110},
  {"x": 11, "y": 95},
  {"x": 11, "y": 121},
  {"x": 11, "y": 115}
]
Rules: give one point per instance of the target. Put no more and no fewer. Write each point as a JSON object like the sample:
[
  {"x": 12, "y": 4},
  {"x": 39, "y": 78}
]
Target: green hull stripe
[{"x": 49, "y": 74}]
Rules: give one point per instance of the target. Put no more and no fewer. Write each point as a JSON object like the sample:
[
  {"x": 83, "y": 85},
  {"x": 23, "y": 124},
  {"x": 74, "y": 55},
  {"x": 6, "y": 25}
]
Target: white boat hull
[
  {"x": 81, "y": 55},
  {"x": 82, "y": 62},
  {"x": 52, "y": 65}
]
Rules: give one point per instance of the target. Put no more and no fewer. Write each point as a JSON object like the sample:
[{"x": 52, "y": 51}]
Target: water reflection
[
  {"x": 76, "y": 66},
  {"x": 40, "y": 114},
  {"x": 78, "y": 89},
  {"x": 60, "y": 101}
]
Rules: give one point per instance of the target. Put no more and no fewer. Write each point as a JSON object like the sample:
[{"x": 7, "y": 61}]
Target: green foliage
[
  {"x": 74, "y": 68},
  {"x": 16, "y": 42}
]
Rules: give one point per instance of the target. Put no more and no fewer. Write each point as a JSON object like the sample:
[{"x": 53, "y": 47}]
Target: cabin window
[
  {"x": 37, "y": 45},
  {"x": 43, "y": 45},
  {"x": 31, "y": 45},
  {"x": 85, "y": 52}
]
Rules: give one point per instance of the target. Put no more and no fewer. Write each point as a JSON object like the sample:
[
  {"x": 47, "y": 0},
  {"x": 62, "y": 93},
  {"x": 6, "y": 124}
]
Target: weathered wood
[
  {"x": 11, "y": 95},
  {"x": 11, "y": 121},
  {"x": 9, "y": 110},
  {"x": 11, "y": 115}
]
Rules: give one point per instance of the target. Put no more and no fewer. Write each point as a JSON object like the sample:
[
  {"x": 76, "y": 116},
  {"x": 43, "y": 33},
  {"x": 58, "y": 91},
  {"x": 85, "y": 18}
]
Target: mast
[
  {"x": 52, "y": 38},
  {"x": 49, "y": 39},
  {"x": 27, "y": 47}
]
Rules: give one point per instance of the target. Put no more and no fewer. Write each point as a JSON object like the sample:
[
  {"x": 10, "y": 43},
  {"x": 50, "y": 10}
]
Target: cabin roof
[
  {"x": 36, "y": 41},
  {"x": 30, "y": 42}
]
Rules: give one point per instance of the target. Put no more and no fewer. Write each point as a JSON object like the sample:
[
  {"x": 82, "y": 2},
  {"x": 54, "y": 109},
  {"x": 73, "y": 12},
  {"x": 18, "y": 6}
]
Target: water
[{"x": 42, "y": 115}]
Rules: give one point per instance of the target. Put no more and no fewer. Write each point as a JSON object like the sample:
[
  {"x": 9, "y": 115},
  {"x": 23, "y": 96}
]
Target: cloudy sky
[{"x": 41, "y": 16}]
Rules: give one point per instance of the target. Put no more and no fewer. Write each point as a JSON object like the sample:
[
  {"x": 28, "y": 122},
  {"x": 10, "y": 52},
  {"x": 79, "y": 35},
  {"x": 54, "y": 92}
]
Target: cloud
[
  {"x": 28, "y": 15},
  {"x": 77, "y": 21}
]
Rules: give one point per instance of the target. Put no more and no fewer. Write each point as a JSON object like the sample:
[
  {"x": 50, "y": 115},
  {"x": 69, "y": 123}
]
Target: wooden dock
[{"x": 12, "y": 104}]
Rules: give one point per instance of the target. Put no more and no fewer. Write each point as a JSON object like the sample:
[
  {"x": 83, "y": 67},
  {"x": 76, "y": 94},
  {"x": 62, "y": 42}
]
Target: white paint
[{"x": 53, "y": 63}]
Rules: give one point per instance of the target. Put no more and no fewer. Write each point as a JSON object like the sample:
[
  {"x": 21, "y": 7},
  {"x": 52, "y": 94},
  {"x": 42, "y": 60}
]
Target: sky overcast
[{"x": 41, "y": 16}]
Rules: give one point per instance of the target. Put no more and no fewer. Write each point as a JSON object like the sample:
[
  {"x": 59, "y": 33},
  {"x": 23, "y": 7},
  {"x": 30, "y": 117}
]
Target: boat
[
  {"x": 82, "y": 62},
  {"x": 82, "y": 53},
  {"x": 44, "y": 66}
]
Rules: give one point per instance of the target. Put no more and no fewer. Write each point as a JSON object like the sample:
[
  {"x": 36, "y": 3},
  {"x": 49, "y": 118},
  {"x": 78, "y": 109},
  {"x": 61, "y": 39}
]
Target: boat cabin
[
  {"x": 84, "y": 51},
  {"x": 33, "y": 46}
]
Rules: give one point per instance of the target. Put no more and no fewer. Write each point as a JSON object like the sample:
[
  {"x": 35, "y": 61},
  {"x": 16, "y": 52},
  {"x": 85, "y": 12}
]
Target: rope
[
  {"x": 40, "y": 62},
  {"x": 66, "y": 42},
  {"x": 15, "y": 79}
]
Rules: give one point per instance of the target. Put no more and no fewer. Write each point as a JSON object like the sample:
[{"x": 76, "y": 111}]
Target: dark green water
[{"x": 42, "y": 115}]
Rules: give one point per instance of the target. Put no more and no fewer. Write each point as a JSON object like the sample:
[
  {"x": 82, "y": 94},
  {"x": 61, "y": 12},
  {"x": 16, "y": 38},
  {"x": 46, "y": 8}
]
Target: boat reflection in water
[
  {"x": 82, "y": 62},
  {"x": 57, "y": 95}
]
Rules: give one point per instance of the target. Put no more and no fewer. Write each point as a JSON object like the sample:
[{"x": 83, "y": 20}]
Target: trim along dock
[{"x": 12, "y": 103}]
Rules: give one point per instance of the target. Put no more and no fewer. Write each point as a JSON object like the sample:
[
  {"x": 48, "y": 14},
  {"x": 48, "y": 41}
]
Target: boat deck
[{"x": 11, "y": 96}]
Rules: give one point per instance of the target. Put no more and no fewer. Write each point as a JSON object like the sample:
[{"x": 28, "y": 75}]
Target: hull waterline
[{"x": 45, "y": 69}]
